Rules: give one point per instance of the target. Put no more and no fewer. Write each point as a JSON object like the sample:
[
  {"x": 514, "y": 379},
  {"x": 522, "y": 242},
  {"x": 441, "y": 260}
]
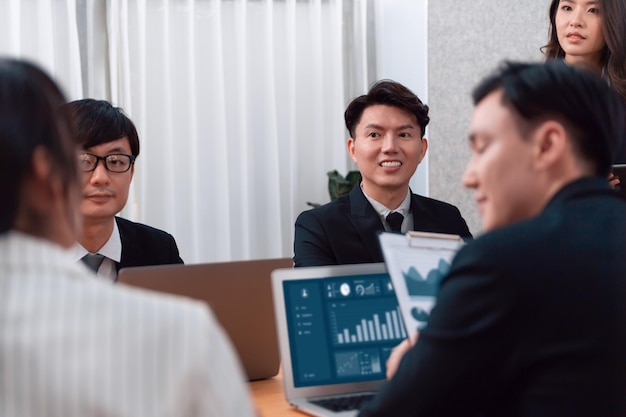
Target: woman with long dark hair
[{"x": 591, "y": 34}]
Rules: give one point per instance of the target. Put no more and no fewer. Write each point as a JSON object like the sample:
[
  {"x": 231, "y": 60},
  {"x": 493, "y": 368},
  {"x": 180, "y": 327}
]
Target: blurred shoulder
[
  {"x": 328, "y": 210},
  {"x": 434, "y": 203},
  {"x": 126, "y": 226}
]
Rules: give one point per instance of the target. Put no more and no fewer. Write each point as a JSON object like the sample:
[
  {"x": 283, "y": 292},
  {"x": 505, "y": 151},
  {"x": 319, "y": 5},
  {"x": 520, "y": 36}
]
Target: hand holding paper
[{"x": 398, "y": 352}]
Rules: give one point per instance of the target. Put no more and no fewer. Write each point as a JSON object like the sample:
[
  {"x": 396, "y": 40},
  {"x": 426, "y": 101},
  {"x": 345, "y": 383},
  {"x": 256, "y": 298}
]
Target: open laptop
[
  {"x": 239, "y": 294},
  {"x": 336, "y": 327}
]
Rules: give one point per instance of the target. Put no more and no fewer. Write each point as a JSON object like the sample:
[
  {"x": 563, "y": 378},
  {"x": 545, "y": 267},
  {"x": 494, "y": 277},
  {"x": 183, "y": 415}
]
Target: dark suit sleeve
[
  {"x": 460, "y": 226},
  {"x": 144, "y": 245},
  {"x": 436, "y": 216},
  {"x": 457, "y": 362},
  {"x": 311, "y": 246},
  {"x": 174, "y": 254},
  {"x": 449, "y": 220}
]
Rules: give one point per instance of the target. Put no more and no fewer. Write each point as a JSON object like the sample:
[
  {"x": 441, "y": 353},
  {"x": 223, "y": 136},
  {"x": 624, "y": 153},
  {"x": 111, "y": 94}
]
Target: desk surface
[{"x": 269, "y": 398}]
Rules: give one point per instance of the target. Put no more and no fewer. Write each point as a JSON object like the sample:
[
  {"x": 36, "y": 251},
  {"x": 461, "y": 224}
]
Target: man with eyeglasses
[{"x": 110, "y": 145}]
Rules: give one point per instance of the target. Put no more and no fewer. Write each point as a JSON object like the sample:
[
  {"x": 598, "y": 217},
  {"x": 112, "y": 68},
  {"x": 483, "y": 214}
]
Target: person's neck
[
  {"x": 390, "y": 198},
  {"x": 566, "y": 170},
  {"x": 95, "y": 233},
  {"x": 45, "y": 212},
  {"x": 53, "y": 228},
  {"x": 585, "y": 62}
]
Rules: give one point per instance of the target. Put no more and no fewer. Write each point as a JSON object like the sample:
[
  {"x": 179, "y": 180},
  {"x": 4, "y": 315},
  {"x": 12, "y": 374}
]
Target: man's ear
[
  {"x": 424, "y": 149},
  {"x": 350, "y": 146},
  {"x": 551, "y": 143}
]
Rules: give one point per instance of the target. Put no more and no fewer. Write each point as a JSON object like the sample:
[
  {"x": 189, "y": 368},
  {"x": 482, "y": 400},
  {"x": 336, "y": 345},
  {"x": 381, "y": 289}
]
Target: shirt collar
[
  {"x": 382, "y": 210},
  {"x": 112, "y": 248}
]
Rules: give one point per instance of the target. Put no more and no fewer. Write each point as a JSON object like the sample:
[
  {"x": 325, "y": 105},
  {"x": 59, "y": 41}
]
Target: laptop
[
  {"x": 619, "y": 170},
  {"x": 336, "y": 328},
  {"x": 239, "y": 294}
]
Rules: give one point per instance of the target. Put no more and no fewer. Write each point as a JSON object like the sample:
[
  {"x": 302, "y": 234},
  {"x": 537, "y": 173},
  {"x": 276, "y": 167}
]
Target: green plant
[{"x": 339, "y": 185}]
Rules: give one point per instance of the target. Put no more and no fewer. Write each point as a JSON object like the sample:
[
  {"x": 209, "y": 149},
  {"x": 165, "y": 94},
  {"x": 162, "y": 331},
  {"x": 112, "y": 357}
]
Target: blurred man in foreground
[{"x": 531, "y": 319}]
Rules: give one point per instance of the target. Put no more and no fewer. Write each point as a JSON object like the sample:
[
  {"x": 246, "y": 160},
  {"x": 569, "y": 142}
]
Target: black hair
[
  {"x": 613, "y": 56},
  {"x": 389, "y": 93},
  {"x": 98, "y": 121},
  {"x": 31, "y": 116},
  {"x": 582, "y": 101}
]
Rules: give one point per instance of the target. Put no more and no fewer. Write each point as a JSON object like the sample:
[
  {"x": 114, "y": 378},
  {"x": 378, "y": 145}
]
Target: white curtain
[
  {"x": 239, "y": 106},
  {"x": 43, "y": 32}
]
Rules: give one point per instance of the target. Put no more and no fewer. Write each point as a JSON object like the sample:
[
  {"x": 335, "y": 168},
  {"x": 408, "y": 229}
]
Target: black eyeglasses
[{"x": 115, "y": 162}]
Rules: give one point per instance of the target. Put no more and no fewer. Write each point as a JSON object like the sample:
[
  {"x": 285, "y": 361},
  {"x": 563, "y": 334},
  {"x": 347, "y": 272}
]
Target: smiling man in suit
[
  {"x": 387, "y": 143},
  {"x": 110, "y": 146}
]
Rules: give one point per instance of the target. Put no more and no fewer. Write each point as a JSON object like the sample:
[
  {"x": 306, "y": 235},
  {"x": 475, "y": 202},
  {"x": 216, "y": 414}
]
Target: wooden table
[{"x": 269, "y": 398}]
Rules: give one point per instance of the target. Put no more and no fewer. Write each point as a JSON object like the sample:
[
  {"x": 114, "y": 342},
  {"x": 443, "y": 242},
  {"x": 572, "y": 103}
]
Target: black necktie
[
  {"x": 395, "y": 221},
  {"x": 93, "y": 261}
]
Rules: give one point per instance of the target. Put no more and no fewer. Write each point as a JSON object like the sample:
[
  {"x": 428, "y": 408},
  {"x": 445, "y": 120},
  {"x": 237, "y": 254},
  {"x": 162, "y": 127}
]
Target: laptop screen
[{"x": 341, "y": 329}]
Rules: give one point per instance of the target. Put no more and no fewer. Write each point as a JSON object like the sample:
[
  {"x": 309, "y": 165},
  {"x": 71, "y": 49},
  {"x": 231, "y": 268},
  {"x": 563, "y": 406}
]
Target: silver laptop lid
[
  {"x": 336, "y": 326},
  {"x": 240, "y": 295}
]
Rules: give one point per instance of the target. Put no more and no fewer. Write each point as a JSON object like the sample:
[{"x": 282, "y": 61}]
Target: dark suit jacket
[
  {"x": 530, "y": 321},
  {"x": 345, "y": 231},
  {"x": 144, "y": 245}
]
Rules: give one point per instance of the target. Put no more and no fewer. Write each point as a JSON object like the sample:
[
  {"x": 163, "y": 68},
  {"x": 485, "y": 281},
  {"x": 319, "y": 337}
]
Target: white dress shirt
[
  {"x": 404, "y": 208},
  {"x": 72, "y": 345}
]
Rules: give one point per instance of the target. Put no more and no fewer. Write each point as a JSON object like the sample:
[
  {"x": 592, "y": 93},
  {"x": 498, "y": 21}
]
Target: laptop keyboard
[{"x": 352, "y": 402}]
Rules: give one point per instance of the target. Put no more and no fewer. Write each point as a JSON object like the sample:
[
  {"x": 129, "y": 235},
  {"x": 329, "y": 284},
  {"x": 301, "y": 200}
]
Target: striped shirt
[{"x": 71, "y": 345}]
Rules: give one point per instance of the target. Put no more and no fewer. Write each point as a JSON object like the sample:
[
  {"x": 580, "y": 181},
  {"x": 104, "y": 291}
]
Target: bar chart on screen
[{"x": 364, "y": 321}]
